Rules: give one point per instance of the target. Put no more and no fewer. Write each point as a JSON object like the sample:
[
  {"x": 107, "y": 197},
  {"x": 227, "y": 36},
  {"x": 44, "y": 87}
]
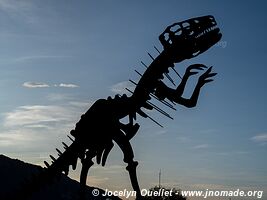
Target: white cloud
[
  {"x": 97, "y": 180},
  {"x": 45, "y": 85},
  {"x": 120, "y": 87},
  {"x": 35, "y": 85},
  {"x": 20, "y": 10},
  {"x": 14, "y": 138},
  {"x": 81, "y": 104},
  {"x": 37, "y": 115},
  {"x": 201, "y": 146},
  {"x": 58, "y": 97},
  {"x": 232, "y": 153},
  {"x": 67, "y": 85},
  {"x": 37, "y": 127},
  {"x": 37, "y": 57},
  {"x": 261, "y": 138},
  {"x": 183, "y": 139},
  {"x": 15, "y": 5}
]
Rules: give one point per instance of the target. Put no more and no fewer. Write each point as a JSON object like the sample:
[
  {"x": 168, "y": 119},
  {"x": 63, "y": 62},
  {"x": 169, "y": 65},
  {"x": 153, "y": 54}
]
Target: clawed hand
[
  {"x": 205, "y": 77},
  {"x": 189, "y": 69}
]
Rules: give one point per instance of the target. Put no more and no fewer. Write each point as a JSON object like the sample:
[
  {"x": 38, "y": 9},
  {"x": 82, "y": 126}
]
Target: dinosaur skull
[{"x": 190, "y": 37}]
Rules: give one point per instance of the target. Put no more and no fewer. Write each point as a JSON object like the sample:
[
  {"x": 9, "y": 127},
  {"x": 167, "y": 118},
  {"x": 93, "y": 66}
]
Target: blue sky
[{"x": 57, "y": 57}]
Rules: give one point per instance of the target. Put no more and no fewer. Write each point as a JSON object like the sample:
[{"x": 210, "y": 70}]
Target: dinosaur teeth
[{"x": 206, "y": 31}]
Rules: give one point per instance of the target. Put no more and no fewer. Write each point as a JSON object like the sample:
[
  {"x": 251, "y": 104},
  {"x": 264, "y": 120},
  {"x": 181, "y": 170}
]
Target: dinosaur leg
[
  {"x": 132, "y": 172},
  {"x": 86, "y": 164},
  {"x": 127, "y": 150}
]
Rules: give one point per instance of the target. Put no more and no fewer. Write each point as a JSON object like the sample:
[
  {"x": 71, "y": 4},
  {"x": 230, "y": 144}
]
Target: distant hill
[{"x": 13, "y": 173}]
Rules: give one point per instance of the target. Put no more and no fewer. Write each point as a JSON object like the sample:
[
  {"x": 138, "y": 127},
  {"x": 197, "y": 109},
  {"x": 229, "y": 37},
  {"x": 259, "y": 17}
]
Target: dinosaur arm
[
  {"x": 176, "y": 97},
  {"x": 189, "y": 103},
  {"x": 203, "y": 79},
  {"x": 164, "y": 91}
]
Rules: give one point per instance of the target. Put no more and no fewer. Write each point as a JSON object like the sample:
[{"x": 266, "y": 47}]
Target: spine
[{"x": 51, "y": 172}]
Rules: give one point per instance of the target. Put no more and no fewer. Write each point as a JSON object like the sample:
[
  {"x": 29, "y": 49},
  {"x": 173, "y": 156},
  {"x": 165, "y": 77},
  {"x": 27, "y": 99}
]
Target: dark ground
[{"x": 14, "y": 173}]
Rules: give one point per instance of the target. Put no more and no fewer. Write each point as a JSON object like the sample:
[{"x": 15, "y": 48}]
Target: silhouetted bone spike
[
  {"x": 53, "y": 158},
  {"x": 151, "y": 56},
  {"x": 170, "y": 79},
  {"x": 143, "y": 114},
  {"x": 132, "y": 82},
  {"x": 176, "y": 72},
  {"x": 173, "y": 103},
  {"x": 159, "y": 110},
  {"x": 138, "y": 73},
  {"x": 70, "y": 138},
  {"x": 157, "y": 49},
  {"x": 46, "y": 164},
  {"x": 59, "y": 152},
  {"x": 148, "y": 106},
  {"x": 163, "y": 101},
  {"x": 65, "y": 146},
  {"x": 129, "y": 90},
  {"x": 154, "y": 121},
  {"x": 144, "y": 64}
]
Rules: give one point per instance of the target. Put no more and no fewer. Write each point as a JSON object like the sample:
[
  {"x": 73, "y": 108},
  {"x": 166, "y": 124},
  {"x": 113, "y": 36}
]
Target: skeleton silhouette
[{"x": 98, "y": 129}]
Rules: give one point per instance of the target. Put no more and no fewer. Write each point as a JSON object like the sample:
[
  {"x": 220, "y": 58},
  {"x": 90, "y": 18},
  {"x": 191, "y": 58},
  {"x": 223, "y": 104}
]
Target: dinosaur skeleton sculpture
[{"x": 100, "y": 126}]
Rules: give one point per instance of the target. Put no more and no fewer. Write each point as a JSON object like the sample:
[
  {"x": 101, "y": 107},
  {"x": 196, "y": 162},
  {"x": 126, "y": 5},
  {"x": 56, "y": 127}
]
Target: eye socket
[
  {"x": 196, "y": 21},
  {"x": 166, "y": 36},
  {"x": 186, "y": 25},
  {"x": 175, "y": 28},
  {"x": 179, "y": 32}
]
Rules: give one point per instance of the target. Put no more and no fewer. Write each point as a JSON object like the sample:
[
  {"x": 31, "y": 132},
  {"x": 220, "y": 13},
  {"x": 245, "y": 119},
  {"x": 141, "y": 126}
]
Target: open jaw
[
  {"x": 206, "y": 31},
  {"x": 206, "y": 39},
  {"x": 197, "y": 34},
  {"x": 203, "y": 32}
]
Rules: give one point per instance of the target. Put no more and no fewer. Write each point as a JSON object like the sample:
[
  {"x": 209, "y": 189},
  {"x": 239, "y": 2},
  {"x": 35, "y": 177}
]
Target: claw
[
  {"x": 208, "y": 80},
  {"x": 198, "y": 66},
  {"x": 201, "y": 67},
  {"x": 194, "y": 67},
  {"x": 212, "y": 74},
  {"x": 106, "y": 152},
  {"x": 99, "y": 155},
  {"x": 204, "y": 78}
]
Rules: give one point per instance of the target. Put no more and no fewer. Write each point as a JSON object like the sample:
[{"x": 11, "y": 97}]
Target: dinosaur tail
[{"x": 47, "y": 175}]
